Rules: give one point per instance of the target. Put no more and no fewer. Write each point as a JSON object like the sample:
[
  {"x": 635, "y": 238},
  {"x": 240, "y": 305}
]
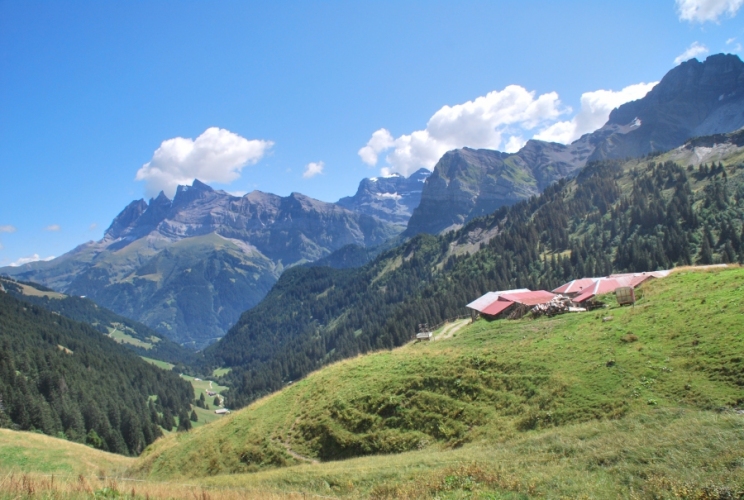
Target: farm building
[
  {"x": 509, "y": 303},
  {"x": 585, "y": 289},
  {"x": 575, "y": 287},
  {"x": 222, "y": 411}
]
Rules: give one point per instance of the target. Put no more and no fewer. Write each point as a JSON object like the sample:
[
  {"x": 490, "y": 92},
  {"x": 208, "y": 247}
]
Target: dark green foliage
[
  {"x": 194, "y": 417},
  {"x": 586, "y": 227},
  {"x": 87, "y": 311},
  {"x": 184, "y": 424},
  {"x": 64, "y": 378}
]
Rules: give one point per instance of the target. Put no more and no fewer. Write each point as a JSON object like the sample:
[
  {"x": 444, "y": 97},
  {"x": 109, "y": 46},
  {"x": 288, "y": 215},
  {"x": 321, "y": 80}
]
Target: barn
[
  {"x": 584, "y": 290},
  {"x": 510, "y": 304}
]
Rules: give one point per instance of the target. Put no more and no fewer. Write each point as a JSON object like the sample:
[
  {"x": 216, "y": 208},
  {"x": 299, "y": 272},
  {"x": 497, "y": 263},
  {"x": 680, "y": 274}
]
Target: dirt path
[
  {"x": 451, "y": 328},
  {"x": 294, "y": 454}
]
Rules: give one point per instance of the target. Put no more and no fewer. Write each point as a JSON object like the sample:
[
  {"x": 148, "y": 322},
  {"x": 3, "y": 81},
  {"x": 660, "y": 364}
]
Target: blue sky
[{"x": 301, "y": 96}]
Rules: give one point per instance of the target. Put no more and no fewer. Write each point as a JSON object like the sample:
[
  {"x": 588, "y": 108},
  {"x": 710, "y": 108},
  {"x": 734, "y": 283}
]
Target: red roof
[
  {"x": 529, "y": 298},
  {"x": 604, "y": 285},
  {"x": 497, "y": 307},
  {"x": 575, "y": 286}
]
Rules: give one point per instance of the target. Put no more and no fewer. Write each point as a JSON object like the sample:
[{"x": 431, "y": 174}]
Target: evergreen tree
[{"x": 705, "y": 256}]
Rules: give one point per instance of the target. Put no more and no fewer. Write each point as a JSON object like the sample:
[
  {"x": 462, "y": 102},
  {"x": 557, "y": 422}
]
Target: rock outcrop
[{"x": 693, "y": 99}]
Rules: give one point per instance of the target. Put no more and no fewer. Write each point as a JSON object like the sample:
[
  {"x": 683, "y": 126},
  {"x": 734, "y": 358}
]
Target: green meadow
[{"x": 619, "y": 401}]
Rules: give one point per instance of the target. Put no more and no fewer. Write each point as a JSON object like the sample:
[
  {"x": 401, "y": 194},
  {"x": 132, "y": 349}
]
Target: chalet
[
  {"x": 222, "y": 411},
  {"x": 510, "y": 304},
  {"x": 584, "y": 290}
]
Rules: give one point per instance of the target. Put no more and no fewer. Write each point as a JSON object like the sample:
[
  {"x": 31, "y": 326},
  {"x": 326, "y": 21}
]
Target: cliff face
[
  {"x": 391, "y": 198},
  {"x": 693, "y": 99},
  {"x": 188, "y": 267}
]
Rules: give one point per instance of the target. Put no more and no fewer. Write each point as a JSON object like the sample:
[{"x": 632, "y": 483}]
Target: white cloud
[
  {"x": 312, "y": 169},
  {"x": 1, "y": 245},
  {"x": 52, "y": 227},
  {"x": 514, "y": 144},
  {"x": 379, "y": 142},
  {"x": 737, "y": 47},
  {"x": 7, "y": 229},
  {"x": 694, "y": 50},
  {"x": 499, "y": 120},
  {"x": 706, "y": 10},
  {"x": 217, "y": 155},
  {"x": 481, "y": 123},
  {"x": 93, "y": 226},
  {"x": 25, "y": 260},
  {"x": 595, "y": 110}
]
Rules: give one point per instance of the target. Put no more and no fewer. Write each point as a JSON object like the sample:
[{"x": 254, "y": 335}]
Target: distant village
[{"x": 575, "y": 296}]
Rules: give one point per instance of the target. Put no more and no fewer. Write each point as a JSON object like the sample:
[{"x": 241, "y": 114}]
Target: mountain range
[
  {"x": 392, "y": 198},
  {"x": 693, "y": 99},
  {"x": 189, "y": 267}
]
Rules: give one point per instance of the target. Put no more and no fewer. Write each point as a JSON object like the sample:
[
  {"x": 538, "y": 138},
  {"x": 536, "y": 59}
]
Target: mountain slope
[
  {"x": 693, "y": 99},
  {"x": 500, "y": 385},
  {"x": 133, "y": 335},
  {"x": 188, "y": 267},
  {"x": 59, "y": 376},
  {"x": 637, "y": 216}
]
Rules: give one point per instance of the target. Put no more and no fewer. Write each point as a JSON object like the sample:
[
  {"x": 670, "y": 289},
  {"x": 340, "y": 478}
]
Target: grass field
[
  {"x": 160, "y": 364},
  {"x": 124, "y": 338},
  {"x": 200, "y": 387},
  {"x": 32, "y": 452},
  {"x": 641, "y": 402},
  {"x": 611, "y": 402}
]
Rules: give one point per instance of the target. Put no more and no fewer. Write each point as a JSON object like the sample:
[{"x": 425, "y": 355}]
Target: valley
[
  {"x": 539, "y": 407},
  {"x": 222, "y": 345}
]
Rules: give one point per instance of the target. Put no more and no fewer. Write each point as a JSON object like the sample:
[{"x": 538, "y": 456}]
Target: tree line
[{"x": 65, "y": 379}]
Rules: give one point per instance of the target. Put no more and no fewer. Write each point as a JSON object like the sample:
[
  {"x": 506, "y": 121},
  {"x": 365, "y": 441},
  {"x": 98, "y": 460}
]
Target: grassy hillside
[
  {"x": 32, "y": 452},
  {"x": 610, "y": 400}
]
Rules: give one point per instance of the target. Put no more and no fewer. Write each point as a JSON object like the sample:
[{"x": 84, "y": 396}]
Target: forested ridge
[
  {"x": 86, "y": 311},
  {"x": 613, "y": 217},
  {"x": 65, "y": 379}
]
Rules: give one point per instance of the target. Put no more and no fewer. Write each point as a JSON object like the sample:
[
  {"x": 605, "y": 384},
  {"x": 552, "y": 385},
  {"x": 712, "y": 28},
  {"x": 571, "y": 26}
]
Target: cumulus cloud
[
  {"x": 379, "y": 142},
  {"x": 707, "y": 10},
  {"x": 694, "y": 50},
  {"x": 489, "y": 121},
  {"x": 217, "y": 155},
  {"x": 595, "y": 110},
  {"x": 312, "y": 169},
  {"x": 52, "y": 227},
  {"x": 34, "y": 258},
  {"x": 501, "y": 120},
  {"x": 7, "y": 229}
]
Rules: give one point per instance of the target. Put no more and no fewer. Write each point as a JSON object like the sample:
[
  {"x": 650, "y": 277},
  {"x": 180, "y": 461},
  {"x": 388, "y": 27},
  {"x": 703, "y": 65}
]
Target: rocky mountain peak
[
  {"x": 390, "y": 198},
  {"x": 693, "y": 99}
]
